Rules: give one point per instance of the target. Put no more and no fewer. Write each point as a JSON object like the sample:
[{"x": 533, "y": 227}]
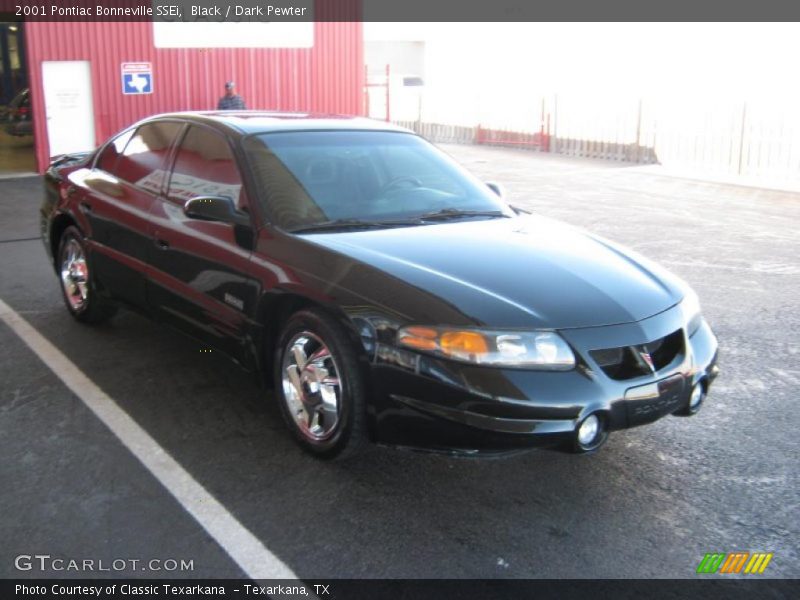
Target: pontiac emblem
[{"x": 645, "y": 356}]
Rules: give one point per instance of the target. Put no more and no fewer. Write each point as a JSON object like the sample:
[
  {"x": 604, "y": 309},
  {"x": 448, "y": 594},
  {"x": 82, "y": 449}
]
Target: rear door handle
[
  {"x": 85, "y": 206},
  {"x": 162, "y": 244}
]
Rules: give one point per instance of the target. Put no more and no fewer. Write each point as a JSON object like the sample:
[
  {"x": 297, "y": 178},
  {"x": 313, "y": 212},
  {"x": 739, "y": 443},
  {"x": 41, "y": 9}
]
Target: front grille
[{"x": 627, "y": 362}]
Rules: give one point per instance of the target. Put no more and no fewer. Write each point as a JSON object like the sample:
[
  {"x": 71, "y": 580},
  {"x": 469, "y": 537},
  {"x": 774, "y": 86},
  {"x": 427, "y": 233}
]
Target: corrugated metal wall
[{"x": 327, "y": 78}]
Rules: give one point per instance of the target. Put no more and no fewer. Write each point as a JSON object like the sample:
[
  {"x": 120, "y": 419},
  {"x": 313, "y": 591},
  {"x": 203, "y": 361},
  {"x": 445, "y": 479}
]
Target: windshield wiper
[
  {"x": 439, "y": 215},
  {"x": 455, "y": 213},
  {"x": 347, "y": 224}
]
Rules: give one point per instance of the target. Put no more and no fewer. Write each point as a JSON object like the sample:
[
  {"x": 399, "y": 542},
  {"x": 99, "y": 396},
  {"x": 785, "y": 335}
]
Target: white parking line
[
  {"x": 18, "y": 175},
  {"x": 241, "y": 545}
]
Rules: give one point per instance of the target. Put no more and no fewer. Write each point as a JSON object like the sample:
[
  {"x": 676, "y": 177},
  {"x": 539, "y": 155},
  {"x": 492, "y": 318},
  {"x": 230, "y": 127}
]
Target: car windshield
[{"x": 318, "y": 180}]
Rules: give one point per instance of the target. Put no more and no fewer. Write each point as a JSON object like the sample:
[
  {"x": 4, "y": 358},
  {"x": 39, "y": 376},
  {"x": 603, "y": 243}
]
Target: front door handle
[
  {"x": 162, "y": 244},
  {"x": 86, "y": 207}
]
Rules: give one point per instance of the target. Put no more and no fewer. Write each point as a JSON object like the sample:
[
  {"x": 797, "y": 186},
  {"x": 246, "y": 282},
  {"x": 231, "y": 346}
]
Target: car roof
[{"x": 252, "y": 121}]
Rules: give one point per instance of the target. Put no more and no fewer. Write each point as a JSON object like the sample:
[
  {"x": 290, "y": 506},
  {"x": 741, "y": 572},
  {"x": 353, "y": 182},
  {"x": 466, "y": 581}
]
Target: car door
[
  {"x": 116, "y": 197},
  {"x": 199, "y": 278}
]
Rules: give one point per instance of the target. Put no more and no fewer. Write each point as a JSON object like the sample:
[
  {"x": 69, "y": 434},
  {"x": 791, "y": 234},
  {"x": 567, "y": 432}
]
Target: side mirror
[
  {"x": 496, "y": 188},
  {"x": 215, "y": 208}
]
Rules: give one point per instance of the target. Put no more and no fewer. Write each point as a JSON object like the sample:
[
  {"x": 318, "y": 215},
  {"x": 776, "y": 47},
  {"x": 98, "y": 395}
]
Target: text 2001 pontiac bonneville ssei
[{"x": 387, "y": 294}]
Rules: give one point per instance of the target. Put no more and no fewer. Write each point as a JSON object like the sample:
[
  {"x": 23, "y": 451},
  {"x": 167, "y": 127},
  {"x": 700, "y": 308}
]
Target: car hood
[{"x": 524, "y": 271}]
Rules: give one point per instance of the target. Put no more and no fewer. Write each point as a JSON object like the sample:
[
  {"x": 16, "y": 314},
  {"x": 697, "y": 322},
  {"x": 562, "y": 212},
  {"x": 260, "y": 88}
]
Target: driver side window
[{"x": 205, "y": 166}]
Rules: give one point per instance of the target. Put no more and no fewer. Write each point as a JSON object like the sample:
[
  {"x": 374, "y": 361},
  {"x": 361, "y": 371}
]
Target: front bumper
[{"x": 425, "y": 402}]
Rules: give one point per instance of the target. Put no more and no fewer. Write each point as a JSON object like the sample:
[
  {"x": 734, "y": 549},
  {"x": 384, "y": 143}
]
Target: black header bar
[
  {"x": 400, "y": 10},
  {"x": 705, "y": 587}
]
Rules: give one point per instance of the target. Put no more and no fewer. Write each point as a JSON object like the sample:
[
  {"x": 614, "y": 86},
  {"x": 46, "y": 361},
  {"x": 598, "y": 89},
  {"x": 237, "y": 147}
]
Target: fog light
[
  {"x": 588, "y": 431},
  {"x": 698, "y": 393},
  {"x": 696, "y": 399}
]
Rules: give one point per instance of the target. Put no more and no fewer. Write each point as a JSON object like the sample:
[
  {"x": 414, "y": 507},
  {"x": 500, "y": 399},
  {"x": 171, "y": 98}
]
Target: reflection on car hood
[{"x": 555, "y": 275}]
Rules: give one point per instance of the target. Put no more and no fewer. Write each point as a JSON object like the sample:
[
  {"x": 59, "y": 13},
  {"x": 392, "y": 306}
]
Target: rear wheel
[
  {"x": 319, "y": 386},
  {"x": 77, "y": 283}
]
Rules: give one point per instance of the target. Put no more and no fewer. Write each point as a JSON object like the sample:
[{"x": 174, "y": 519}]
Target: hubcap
[
  {"x": 75, "y": 275},
  {"x": 311, "y": 387}
]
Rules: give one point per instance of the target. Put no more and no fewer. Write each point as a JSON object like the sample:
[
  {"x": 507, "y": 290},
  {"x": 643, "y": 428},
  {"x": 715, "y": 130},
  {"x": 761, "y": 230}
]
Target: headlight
[
  {"x": 690, "y": 306},
  {"x": 529, "y": 349}
]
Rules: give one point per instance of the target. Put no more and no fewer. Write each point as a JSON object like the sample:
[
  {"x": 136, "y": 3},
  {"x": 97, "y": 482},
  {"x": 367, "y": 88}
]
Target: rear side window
[
  {"x": 205, "y": 166},
  {"x": 142, "y": 162},
  {"x": 108, "y": 158}
]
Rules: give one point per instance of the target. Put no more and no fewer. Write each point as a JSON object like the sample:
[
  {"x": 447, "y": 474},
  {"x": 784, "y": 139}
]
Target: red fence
[{"x": 496, "y": 137}]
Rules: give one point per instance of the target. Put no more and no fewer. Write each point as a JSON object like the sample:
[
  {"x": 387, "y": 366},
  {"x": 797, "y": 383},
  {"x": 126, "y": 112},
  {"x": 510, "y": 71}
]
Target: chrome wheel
[
  {"x": 75, "y": 275},
  {"x": 312, "y": 390}
]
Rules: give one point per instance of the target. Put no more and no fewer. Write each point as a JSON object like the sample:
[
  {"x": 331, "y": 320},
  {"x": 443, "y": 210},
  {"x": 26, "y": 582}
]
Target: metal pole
[
  {"x": 741, "y": 137},
  {"x": 554, "y": 140},
  {"x": 547, "y": 149},
  {"x": 388, "y": 113},
  {"x": 541, "y": 121},
  {"x": 639, "y": 132},
  {"x": 542, "y": 138},
  {"x": 366, "y": 91}
]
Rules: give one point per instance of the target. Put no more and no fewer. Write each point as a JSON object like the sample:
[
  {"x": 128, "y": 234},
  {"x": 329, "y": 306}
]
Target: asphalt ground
[
  {"x": 16, "y": 153},
  {"x": 650, "y": 504}
]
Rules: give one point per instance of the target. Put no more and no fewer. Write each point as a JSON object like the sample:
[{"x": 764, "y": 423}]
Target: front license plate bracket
[{"x": 646, "y": 403}]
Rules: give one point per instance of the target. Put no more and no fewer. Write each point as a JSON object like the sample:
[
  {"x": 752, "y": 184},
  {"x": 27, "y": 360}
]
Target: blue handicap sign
[{"x": 137, "y": 83}]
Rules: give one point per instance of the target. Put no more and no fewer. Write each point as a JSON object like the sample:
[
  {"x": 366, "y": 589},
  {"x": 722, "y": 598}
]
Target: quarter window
[
  {"x": 108, "y": 158},
  {"x": 142, "y": 161},
  {"x": 205, "y": 166}
]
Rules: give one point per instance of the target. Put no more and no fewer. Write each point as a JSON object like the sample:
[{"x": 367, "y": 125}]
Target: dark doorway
[{"x": 16, "y": 118}]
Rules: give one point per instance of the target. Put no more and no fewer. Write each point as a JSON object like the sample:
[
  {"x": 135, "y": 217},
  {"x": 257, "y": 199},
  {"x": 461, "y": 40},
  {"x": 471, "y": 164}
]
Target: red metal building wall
[{"x": 327, "y": 78}]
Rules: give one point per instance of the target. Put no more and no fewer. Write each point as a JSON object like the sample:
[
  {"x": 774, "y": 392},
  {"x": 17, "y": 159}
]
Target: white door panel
[{"x": 68, "y": 105}]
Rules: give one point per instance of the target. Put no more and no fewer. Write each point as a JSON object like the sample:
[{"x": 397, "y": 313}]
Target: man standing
[{"x": 231, "y": 100}]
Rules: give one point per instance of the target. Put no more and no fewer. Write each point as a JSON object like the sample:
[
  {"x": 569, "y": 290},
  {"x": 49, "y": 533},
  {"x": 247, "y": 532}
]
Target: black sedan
[
  {"x": 18, "y": 116},
  {"x": 384, "y": 292}
]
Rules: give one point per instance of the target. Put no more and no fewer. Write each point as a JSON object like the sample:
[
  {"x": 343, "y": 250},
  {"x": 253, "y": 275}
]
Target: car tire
[
  {"x": 78, "y": 286},
  {"x": 319, "y": 386}
]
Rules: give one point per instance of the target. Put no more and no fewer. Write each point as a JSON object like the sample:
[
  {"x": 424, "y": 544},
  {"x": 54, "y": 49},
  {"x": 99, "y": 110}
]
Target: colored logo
[
  {"x": 750, "y": 563},
  {"x": 137, "y": 78},
  {"x": 137, "y": 83},
  {"x": 648, "y": 360}
]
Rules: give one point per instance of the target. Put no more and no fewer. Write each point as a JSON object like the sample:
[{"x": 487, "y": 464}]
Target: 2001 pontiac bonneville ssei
[{"x": 386, "y": 293}]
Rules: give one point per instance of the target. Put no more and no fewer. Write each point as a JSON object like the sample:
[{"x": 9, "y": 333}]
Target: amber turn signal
[{"x": 463, "y": 343}]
